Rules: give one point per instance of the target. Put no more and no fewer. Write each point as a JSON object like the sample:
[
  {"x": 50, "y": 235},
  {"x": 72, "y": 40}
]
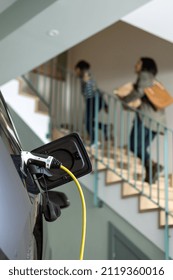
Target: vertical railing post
[
  {"x": 121, "y": 139},
  {"x": 158, "y": 162},
  {"x": 50, "y": 124},
  {"x": 115, "y": 122},
  {"x": 50, "y": 127},
  {"x": 128, "y": 145},
  {"x": 96, "y": 202},
  {"x": 166, "y": 231},
  {"x": 109, "y": 131},
  {"x": 135, "y": 145},
  {"x": 142, "y": 152}
]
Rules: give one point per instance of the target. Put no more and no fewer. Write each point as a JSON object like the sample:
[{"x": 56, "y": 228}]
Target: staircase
[
  {"x": 150, "y": 198},
  {"x": 113, "y": 157}
]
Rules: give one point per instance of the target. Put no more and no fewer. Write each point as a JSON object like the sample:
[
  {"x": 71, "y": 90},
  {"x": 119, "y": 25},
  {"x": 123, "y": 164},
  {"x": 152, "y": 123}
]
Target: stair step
[
  {"x": 112, "y": 178},
  {"x": 129, "y": 190},
  {"x": 116, "y": 154},
  {"x": 100, "y": 166},
  {"x": 145, "y": 204},
  {"x": 57, "y": 134},
  {"x": 122, "y": 152},
  {"x": 161, "y": 181},
  {"x": 28, "y": 93},
  {"x": 114, "y": 163},
  {"x": 24, "y": 89},
  {"x": 118, "y": 166},
  {"x": 162, "y": 218},
  {"x": 22, "y": 85},
  {"x": 134, "y": 165},
  {"x": 131, "y": 166},
  {"x": 40, "y": 107}
]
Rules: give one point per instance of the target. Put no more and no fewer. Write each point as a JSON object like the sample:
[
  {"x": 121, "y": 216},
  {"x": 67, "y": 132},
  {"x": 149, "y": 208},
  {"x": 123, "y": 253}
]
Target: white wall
[{"x": 25, "y": 108}]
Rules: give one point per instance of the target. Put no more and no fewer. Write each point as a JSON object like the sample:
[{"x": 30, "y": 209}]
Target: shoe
[{"x": 156, "y": 170}]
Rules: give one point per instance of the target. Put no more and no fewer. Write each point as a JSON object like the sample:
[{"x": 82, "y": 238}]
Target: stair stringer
[{"x": 145, "y": 222}]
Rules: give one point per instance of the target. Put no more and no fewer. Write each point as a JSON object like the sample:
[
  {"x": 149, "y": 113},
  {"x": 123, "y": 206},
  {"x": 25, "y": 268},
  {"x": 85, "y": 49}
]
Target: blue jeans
[
  {"x": 90, "y": 116},
  {"x": 148, "y": 136}
]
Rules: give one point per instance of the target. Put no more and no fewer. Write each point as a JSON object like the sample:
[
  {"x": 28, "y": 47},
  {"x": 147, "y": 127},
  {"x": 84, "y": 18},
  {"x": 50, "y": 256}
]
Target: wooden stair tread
[
  {"x": 129, "y": 190},
  {"x": 56, "y": 134},
  {"x": 111, "y": 176},
  {"x": 29, "y": 94},
  {"x": 162, "y": 218},
  {"x": 102, "y": 153},
  {"x": 24, "y": 86},
  {"x": 100, "y": 166},
  {"x": 40, "y": 107},
  {"x": 118, "y": 165},
  {"x": 146, "y": 204}
]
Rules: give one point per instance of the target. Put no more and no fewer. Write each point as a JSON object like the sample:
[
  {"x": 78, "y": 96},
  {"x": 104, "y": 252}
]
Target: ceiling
[
  {"x": 155, "y": 17},
  {"x": 36, "y": 30},
  {"x": 33, "y": 31},
  {"x": 4, "y": 4}
]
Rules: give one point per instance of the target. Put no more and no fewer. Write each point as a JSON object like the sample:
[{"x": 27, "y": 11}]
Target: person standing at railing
[
  {"x": 145, "y": 125},
  {"x": 89, "y": 90}
]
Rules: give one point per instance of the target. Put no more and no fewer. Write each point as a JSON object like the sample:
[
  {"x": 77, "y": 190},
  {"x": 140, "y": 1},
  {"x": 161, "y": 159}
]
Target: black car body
[
  {"x": 19, "y": 208},
  {"x": 26, "y": 193}
]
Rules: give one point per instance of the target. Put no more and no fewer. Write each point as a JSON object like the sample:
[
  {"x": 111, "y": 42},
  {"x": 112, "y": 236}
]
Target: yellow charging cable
[{"x": 83, "y": 237}]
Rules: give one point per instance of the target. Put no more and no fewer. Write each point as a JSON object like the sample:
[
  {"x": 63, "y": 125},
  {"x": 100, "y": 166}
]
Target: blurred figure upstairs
[
  {"x": 145, "y": 125},
  {"x": 89, "y": 90}
]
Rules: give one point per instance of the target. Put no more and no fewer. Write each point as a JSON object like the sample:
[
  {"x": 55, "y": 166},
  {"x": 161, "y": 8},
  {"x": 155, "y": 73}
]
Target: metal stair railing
[{"x": 66, "y": 107}]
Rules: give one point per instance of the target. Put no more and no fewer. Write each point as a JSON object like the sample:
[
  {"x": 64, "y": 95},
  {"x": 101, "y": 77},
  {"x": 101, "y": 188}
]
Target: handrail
[{"x": 67, "y": 113}]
